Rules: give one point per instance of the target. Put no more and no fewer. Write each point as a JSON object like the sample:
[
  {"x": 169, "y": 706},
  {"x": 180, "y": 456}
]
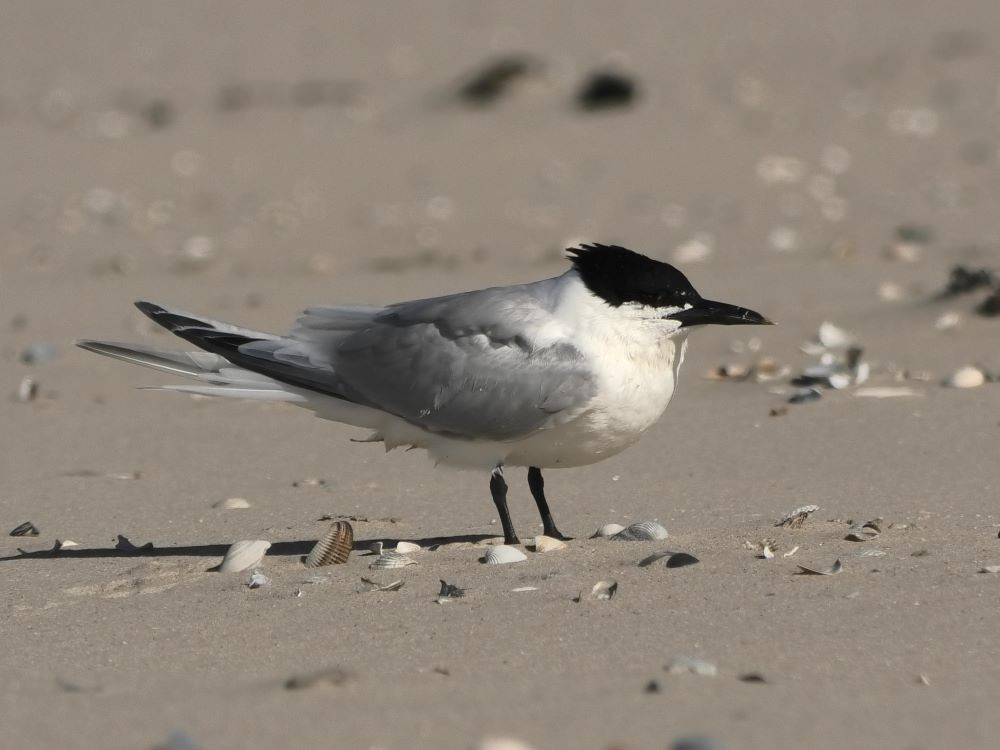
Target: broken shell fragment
[
  {"x": 607, "y": 531},
  {"x": 643, "y": 531},
  {"x": 796, "y": 518},
  {"x": 406, "y": 548},
  {"x": 376, "y": 586},
  {"x": 391, "y": 560},
  {"x": 966, "y": 377},
  {"x": 990, "y": 569},
  {"x": 886, "y": 391},
  {"x": 688, "y": 665},
  {"x": 243, "y": 555},
  {"x": 833, "y": 337},
  {"x": 548, "y": 544},
  {"x": 502, "y": 554},
  {"x": 865, "y": 532},
  {"x": 258, "y": 579},
  {"x": 832, "y": 570},
  {"x": 25, "y": 529},
  {"x": 604, "y": 590},
  {"x": 681, "y": 560},
  {"x": 232, "y": 503},
  {"x": 334, "y": 548}
]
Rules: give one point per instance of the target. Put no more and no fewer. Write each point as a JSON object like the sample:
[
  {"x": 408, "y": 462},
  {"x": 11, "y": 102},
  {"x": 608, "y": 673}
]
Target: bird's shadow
[{"x": 300, "y": 548}]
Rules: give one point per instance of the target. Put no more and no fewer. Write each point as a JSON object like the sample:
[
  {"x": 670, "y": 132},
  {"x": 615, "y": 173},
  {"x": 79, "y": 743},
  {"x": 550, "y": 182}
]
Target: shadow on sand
[{"x": 124, "y": 548}]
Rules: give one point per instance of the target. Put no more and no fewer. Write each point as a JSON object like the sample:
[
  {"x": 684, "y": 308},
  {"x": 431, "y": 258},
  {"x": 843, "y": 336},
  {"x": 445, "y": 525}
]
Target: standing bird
[{"x": 556, "y": 373}]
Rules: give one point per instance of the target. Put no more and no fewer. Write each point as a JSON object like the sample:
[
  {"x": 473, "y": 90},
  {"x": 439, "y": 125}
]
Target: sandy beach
[{"x": 817, "y": 162}]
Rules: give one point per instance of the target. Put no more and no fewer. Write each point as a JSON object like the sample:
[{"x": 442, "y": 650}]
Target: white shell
[
  {"x": 406, "y": 548},
  {"x": 607, "y": 530},
  {"x": 604, "y": 590},
  {"x": 391, "y": 560},
  {"x": 834, "y": 338},
  {"x": 643, "y": 531},
  {"x": 689, "y": 665},
  {"x": 548, "y": 544},
  {"x": 966, "y": 377},
  {"x": 501, "y": 743},
  {"x": 503, "y": 554},
  {"x": 258, "y": 579},
  {"x": 243, "y": 555},
  {"x": 232, "y": 503}
]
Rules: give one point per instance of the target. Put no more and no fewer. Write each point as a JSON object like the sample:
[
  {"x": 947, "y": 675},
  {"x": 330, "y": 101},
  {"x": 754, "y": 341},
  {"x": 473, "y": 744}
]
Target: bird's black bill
[{"x": 706, "y": 312}]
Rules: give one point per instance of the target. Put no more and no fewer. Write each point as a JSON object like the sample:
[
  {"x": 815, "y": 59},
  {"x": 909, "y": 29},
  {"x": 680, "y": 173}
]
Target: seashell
[
  {"x": 833, "y": 337},
  {"x": 604, "y": 590},
  {"x": 886, "y": 391},
  {"x": 865, "y": 532},
  {"x": 805, "y": 395},
  {"x": 406, "y": 548},
  {"x": 450, "y": 590},
  {"x": 548, "y": 544},
  {"x": 990, "y": 569},
  {"x": 794, "y": 519},
  {"x": 502, "y": 554},
  {"x": 27, "y": 390},
  {"x": 66, "y": 544},
  {"x": 966, "y": 377},
  {"x": 832, "y": 570},
  {"x": 501, "y": 743},
  {"x": 243, "y": 555},
  {"x": 376, "y": 586},
  {"x": 334, "y": 548},
  {"x": 376, "y": 547},
  {"x": 689, "y": 665},
  {"x": 258, "y": 579},
  {"x": 872, "y": 552},
  {"x": 767, "y": 551},
  {"x": 607, "y": 531},
  {"x": 25, "y": 529},
  {"x": 391, "y": 560},
  {"x": 681, "y": 559},
  {"x": 792, "y": 551},
  {"x": 232, "y": 503},
  {"x": 643, "y": 531}
]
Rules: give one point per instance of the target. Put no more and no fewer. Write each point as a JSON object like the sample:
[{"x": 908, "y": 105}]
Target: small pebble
[
  {"x": 966, "y": 377},
  {"x": 688, "y": 665},
  {"x": 606, "y": 90}
]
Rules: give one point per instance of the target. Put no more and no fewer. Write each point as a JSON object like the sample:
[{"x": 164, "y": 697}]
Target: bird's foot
[{"x": 554, "y": 533}]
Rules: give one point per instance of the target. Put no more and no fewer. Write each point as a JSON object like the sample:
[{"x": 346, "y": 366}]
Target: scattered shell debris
[
  {"x": 792, "y": 551},
  {"x": 796, "y": 519},
  {"x": 390, "y": 559},
  {"x": 258, "y": 580},
  {"x": 407, "y": 548},
  {"x": 969, "y": 376},
  {"x": 376, "y": 586},
  {"x": 765, "y": 548},
  {"x": 865, "y": 532},
  {"x": 689, "y": 665},
  {"x": 548, "y": 544},
  {"x": 334, "y": 548},
  {"x": 521, "y": 589},
  {"x": 244, "y": 555},
  {"x": 604, "y": 590},
  {"x": 232, "y": 503},
  {"x": 641, "y": 531},
  {"x": 25, "y": 529},
  {"x": 837, "y": 567},
  {"x": 502, "y": 554},
  {"x": 607, "y": 531},
  {"x": 990, "y": 569}
]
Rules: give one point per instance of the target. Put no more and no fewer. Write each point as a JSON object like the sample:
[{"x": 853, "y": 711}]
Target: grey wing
[{"x": 475, "y": 365}]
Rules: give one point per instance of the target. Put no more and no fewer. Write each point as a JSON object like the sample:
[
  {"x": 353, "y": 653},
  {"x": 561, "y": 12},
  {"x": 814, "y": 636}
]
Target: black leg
[
  {"x": 498, "y": 488},
  {"x": 537, "y": 486}
]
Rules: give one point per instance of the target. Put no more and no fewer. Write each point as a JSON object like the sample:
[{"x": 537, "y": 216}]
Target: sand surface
[{"x": 246, "y": 159}]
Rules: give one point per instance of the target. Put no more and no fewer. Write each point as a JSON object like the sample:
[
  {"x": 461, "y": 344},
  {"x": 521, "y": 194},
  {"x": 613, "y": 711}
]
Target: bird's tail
[{"x": 217, "y": 373}]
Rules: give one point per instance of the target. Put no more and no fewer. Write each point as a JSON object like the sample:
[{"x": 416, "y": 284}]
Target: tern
[{"x": 556, "y": 373}]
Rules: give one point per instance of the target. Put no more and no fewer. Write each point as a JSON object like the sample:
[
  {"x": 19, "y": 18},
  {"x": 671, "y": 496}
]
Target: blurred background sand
[{"x": 814, "y": 161}]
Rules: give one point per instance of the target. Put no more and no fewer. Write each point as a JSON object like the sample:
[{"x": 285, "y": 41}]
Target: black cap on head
[{"x": 618, "y": 275}]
